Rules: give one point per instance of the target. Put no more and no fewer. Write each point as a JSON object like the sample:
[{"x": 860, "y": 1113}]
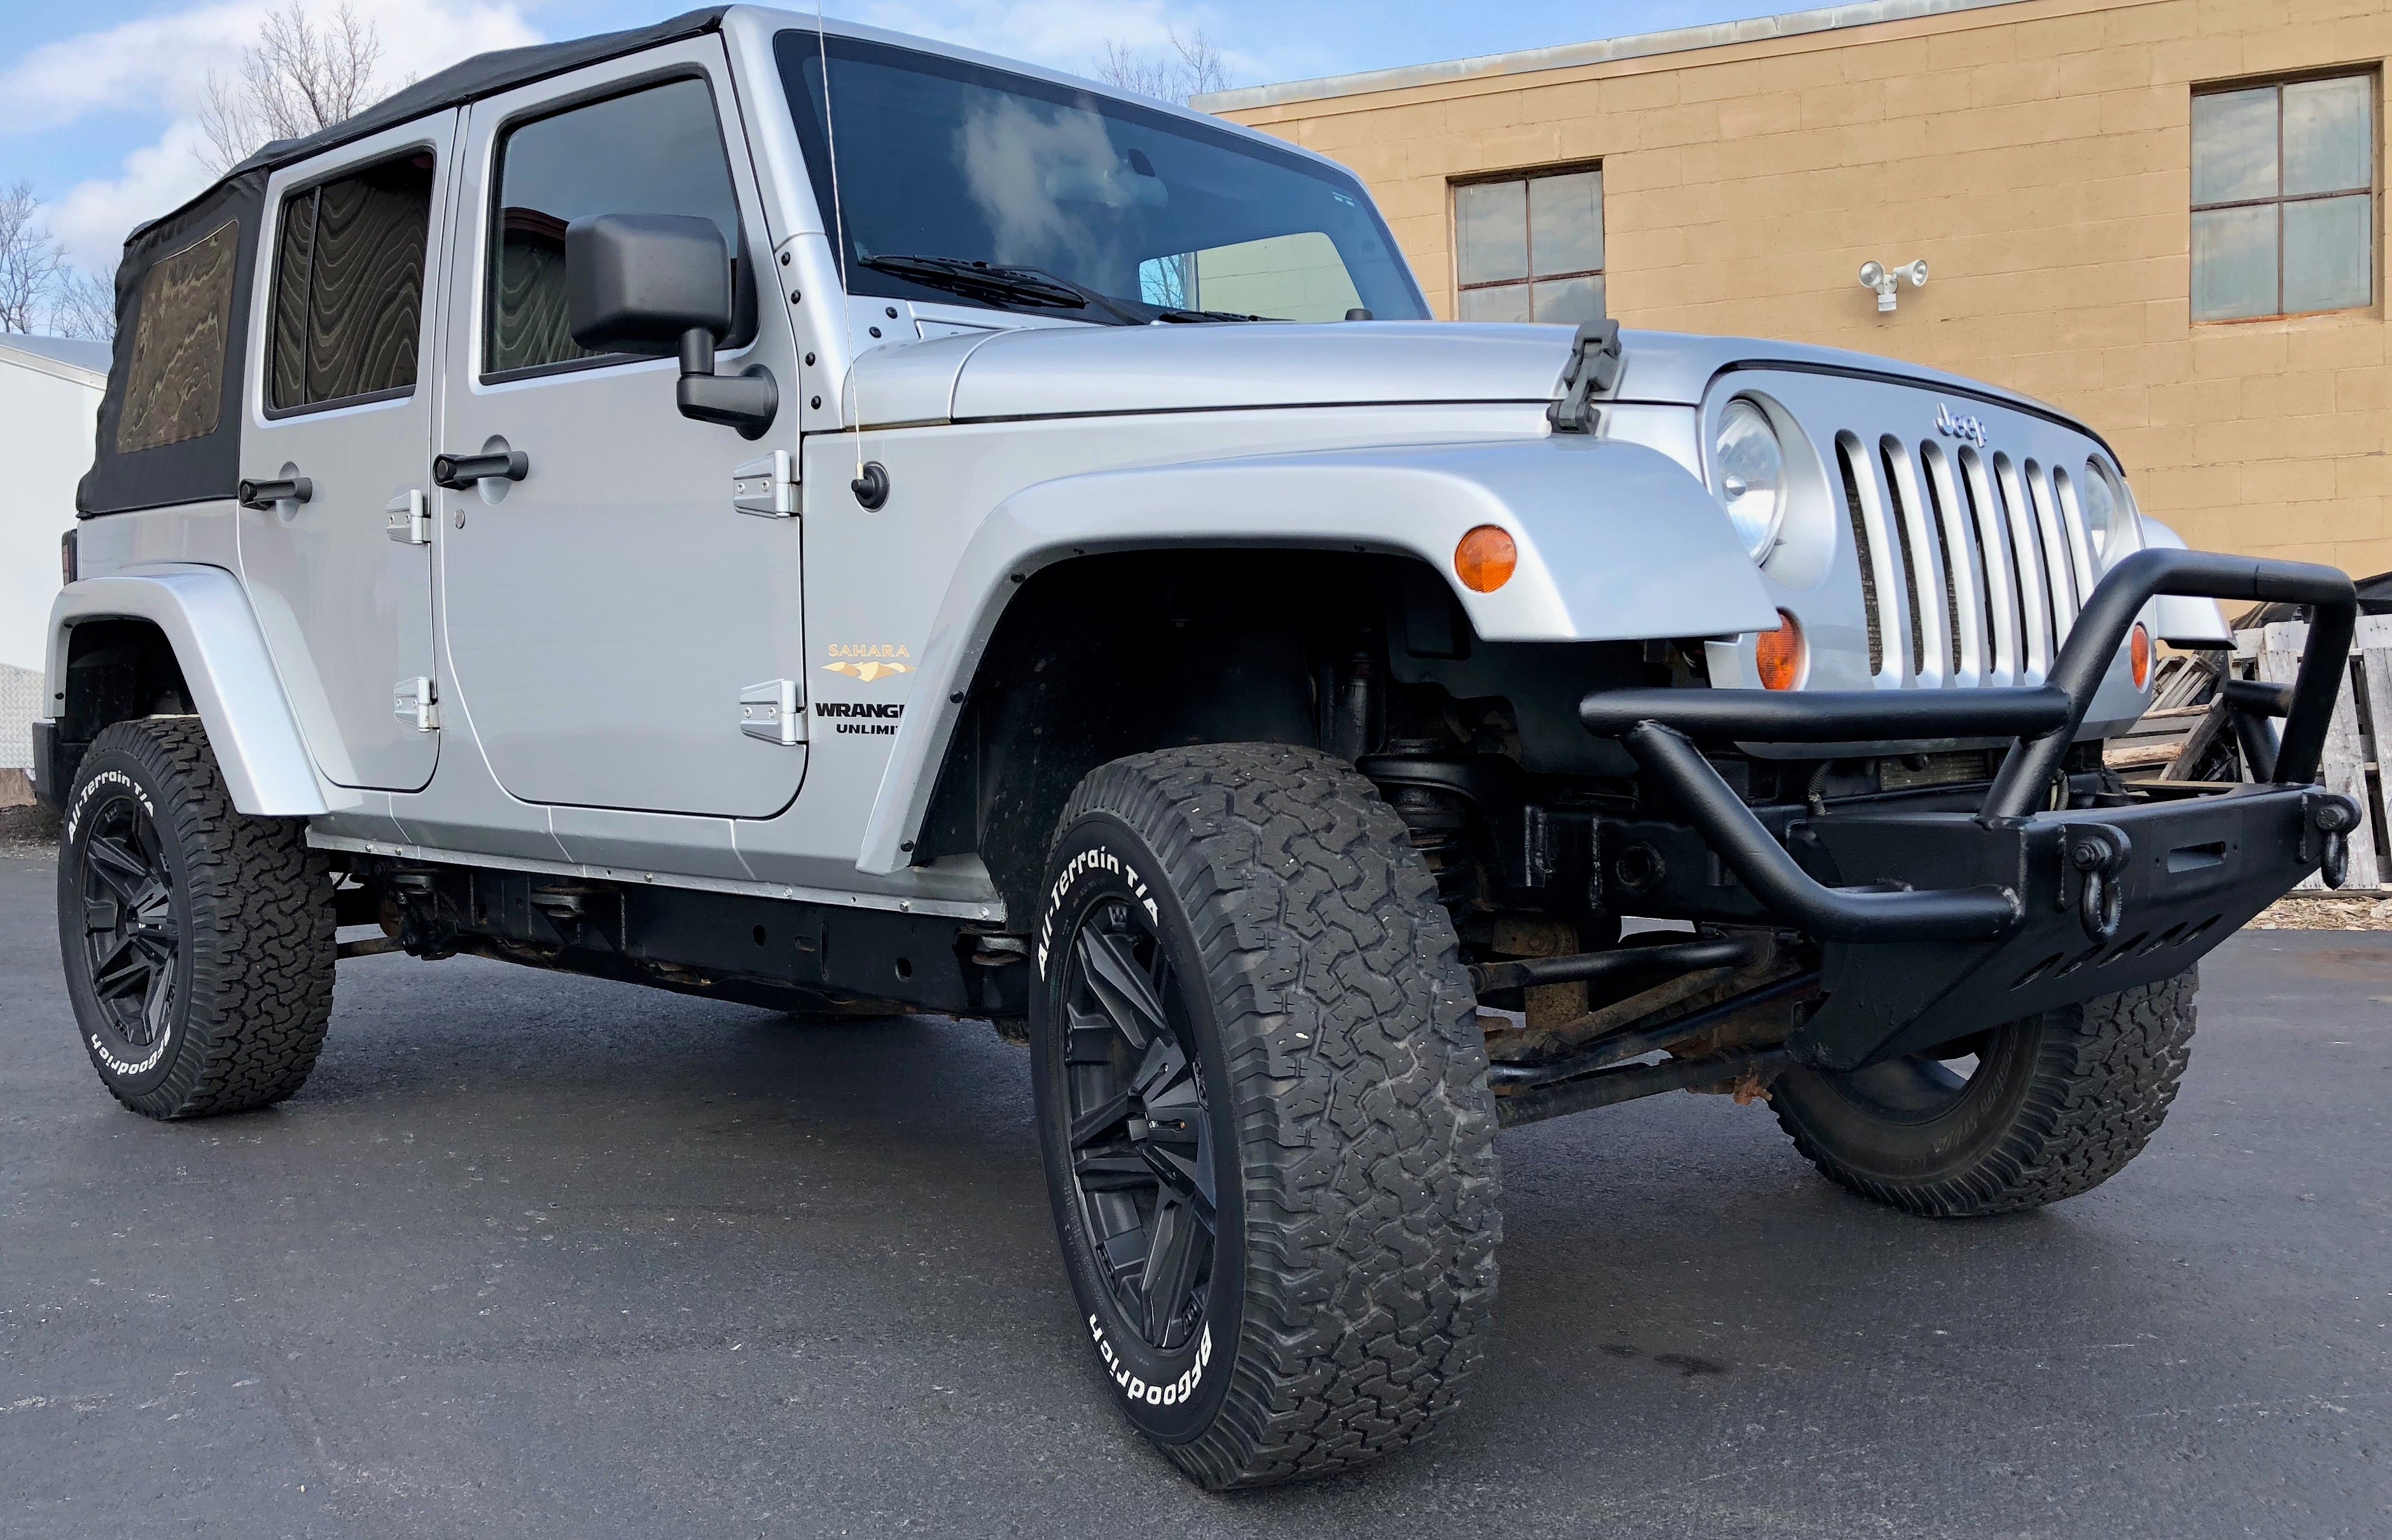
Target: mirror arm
[{"x": 747, "y": 401}]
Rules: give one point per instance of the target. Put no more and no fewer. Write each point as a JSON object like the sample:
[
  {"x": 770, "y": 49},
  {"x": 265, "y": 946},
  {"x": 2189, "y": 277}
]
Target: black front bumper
[{"x": 1936, "y": 925}]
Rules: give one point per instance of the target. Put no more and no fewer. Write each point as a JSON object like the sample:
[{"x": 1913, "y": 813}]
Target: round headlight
[{"x": 1751, "y": 465}]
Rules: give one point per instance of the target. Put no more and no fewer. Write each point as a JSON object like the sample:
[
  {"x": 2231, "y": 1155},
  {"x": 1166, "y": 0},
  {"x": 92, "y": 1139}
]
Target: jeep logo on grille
[{"x": 1967, "y": 430}]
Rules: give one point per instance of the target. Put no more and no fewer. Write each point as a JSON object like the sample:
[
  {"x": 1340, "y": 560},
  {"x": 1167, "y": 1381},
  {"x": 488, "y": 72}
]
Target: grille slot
[
  {"x": 1848, "y": 457},
  {"x": 1985, "y": 565}
]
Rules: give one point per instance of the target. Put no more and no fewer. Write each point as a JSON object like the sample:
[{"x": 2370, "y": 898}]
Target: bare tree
[
  {"x": 1191, "y": 68},
  {"x": 84, "y": 304},
  {"x": 299, "y": 76},
  {"x": 29, "y": 260}
]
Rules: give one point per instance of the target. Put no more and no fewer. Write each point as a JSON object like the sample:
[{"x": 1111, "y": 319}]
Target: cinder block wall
[{"x": 2037, "y": 154}]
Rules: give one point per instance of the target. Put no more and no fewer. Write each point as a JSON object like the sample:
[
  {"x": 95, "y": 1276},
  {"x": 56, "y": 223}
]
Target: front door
[
  {"x": 339, "y": 407},
  {"x": 608, "y": 611}
]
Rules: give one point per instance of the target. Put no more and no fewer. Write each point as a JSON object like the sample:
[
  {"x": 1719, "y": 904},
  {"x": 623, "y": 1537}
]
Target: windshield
[{"x": 944, "y": 160}]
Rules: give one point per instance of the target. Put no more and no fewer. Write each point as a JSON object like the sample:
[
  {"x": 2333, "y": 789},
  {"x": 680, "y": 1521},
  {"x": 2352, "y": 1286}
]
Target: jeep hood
[{"x": 1048, "y": 371}]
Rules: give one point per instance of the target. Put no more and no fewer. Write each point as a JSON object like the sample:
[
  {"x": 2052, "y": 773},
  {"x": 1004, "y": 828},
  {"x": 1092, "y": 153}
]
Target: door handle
[
  {"x": 266, "y": 493},
  {"x": 457, "y": 472}
]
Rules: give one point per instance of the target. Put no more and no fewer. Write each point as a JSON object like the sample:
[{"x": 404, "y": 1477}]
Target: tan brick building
[{"x": 2038, "y": 154}]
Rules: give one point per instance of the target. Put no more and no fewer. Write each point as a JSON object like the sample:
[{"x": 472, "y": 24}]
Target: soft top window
[{"x": 175, "y": 384}]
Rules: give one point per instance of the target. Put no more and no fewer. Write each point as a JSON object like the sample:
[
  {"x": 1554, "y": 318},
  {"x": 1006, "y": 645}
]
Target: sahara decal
[{"x": 868, "y": 661}]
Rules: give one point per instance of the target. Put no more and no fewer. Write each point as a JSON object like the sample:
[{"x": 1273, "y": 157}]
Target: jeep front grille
[{"x": 1973, "y": 564}]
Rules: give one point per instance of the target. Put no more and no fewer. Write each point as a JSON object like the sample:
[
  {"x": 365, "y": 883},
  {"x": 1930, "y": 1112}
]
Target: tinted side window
[
  {"x": 654, "y": 151},
  {"x": 348, "y": 285},
  {"x": 175, "y": 377}
]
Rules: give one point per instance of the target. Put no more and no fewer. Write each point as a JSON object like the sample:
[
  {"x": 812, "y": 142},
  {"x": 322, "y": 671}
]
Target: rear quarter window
[{"x": 174, "y": 384}]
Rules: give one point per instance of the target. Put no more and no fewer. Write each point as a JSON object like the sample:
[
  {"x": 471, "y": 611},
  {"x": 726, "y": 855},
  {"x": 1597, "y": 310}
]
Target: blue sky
[{"x": 98, "y": 100}]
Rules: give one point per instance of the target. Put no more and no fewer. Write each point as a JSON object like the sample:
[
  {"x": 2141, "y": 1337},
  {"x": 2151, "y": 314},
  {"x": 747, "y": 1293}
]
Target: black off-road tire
[
  {"x": 2058, "y": 1103},
  {"x": 239, "y": 927},
  {"x": 1293, "y": 937}
]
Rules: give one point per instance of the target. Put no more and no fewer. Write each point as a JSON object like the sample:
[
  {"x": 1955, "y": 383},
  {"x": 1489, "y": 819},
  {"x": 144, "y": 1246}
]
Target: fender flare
[
  {"x": 1617, "y": 542},
  {"x": 206, "y": 619}
]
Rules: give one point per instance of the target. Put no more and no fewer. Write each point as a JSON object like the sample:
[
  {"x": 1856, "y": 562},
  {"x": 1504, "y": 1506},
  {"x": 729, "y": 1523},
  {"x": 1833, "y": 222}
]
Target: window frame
[
  {"x": 742, "y": 289},
  {"x": 2373, "y": 75},
  {"x": 1529, "y": 279},
  {"x": 270, "y": 250}
]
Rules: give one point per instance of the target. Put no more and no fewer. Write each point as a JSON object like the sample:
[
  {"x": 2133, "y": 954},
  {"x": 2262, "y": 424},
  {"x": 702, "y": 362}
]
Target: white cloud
[{"x": 160, "y": 64}]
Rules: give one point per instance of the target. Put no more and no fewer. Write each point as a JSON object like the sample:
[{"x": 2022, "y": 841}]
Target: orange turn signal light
[
  {"x": 1780, "y": 654},
  {"x": 1485, "y": 558},
  {"x": 2139, "y": 654}
]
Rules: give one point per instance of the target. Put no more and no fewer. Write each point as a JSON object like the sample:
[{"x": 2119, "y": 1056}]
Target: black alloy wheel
[
  {"x": 1141, "y": 1142},
  {"x": 132, "y": 934},
  {"x": 198, "y": 941},
  {"x": 1263, "y": 1111}
]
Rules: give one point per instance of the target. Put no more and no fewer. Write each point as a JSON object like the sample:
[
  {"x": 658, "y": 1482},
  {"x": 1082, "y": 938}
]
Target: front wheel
[
  {"x": 1263, "y": 1106},
  {"x": 2012, "y": 1118},
  {"x": 198, "y": 941}
]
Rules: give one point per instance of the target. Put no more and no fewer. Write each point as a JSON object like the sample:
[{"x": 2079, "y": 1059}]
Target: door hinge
[
  {"x": 416, "y": 702},
  {"x": 411, "y": 519},
  {"x": 773, "y": 711},
  {"x": 767, "y": 487}
]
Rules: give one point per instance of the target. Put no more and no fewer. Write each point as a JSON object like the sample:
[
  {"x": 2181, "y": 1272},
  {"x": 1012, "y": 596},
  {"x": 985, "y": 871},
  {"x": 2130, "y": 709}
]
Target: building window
[
  {"x": 2283, "y": 198},
  {"x": 1530, "y": 249}
]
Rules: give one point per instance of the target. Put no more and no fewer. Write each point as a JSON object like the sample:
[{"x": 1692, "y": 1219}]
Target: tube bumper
[{"x": 1936, "y": 925}]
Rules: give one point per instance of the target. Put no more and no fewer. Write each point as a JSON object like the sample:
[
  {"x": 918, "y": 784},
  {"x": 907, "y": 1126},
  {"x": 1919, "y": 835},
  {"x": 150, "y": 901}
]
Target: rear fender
[
  {"x": 206, "y": 619},
  {"x": 1616, "y": 542}
]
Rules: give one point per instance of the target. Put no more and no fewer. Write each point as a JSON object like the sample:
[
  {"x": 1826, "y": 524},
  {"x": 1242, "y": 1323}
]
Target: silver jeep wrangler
[{"x": 813, "y": 518}]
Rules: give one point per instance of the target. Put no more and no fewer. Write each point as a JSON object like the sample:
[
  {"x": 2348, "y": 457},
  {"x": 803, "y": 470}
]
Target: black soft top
[{"x": 187, "y": 445}]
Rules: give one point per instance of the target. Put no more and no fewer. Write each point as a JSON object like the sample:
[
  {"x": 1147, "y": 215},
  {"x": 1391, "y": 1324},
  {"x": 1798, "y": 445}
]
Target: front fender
[
  {"x": 207, "y": 620},
  {"x": 1617, "y": 542}
]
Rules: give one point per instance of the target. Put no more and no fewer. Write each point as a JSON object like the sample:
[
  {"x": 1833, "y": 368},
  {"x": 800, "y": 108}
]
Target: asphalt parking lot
[{"x": 534, "y": 1256}]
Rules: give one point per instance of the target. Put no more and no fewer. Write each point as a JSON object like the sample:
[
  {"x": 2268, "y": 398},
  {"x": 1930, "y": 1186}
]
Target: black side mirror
[{"x": 657, "y": 284}]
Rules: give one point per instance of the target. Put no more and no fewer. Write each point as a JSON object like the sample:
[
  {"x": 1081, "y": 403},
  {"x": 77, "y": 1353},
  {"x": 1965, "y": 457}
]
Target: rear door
[
  {"x": 340, "y": 394},
  {"x": 608, "y": 613}
]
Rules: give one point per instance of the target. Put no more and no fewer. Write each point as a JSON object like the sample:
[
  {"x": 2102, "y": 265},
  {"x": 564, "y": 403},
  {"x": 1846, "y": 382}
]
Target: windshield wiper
[
  {"x": 1033, "y": 286},
  {"x": 1178, "y": 315}
]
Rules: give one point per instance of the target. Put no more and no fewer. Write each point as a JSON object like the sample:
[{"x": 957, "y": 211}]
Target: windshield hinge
[
  {"x": 767, "y": 487},
  {"x": 1592, "y": 371}
]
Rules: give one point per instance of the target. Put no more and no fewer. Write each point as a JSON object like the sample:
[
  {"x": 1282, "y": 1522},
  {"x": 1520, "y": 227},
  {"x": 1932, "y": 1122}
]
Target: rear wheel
[
  {"x": 1263, "y": 1106},
  {"x": 2012, "y": 1118},
  {"x": 198, "y": 941}
]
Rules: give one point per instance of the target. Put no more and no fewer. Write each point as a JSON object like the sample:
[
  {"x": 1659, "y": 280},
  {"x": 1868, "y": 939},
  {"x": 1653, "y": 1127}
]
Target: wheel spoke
[
  {"x": 1121, "y": 988},
  {"x": 156, "y": 1007},
  {"x": 1101, "y": 1119},
  {"x": 1172, "y": 1257},
  {"x": 1091, "y": 1039},
  {"x": 118, "y": 866},
  {"x": 123, "y": 971},
  {"x": 1112, "y": 1170}
]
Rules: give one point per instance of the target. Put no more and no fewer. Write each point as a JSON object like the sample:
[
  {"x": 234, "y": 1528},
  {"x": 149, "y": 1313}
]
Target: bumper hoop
[{"x": 1935, "y": 924}]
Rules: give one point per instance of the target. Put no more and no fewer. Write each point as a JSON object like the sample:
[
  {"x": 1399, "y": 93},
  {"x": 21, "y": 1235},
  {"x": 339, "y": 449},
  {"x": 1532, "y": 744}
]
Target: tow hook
[
  {"x": 2331, "y": 817},
  {"x": 2100, "y": 851}
]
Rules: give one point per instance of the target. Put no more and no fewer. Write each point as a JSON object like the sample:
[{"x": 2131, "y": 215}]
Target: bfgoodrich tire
[
  {"x": 2055, "y": 1105},
  {"x": 198, "y": 941},
  {"x": 1262, "y": 1101}
]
